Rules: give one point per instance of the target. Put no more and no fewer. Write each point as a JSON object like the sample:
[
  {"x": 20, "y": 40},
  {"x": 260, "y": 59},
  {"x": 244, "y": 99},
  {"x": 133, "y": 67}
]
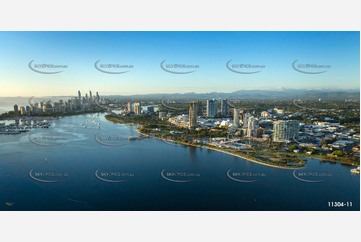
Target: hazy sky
[{"x": 146, "y": 50}]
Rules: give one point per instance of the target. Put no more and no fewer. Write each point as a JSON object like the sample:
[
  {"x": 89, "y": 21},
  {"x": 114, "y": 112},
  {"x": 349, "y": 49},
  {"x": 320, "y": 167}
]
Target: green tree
[
  {"x": 338, "y": 153},
  {"x": 292, "y": 147},
  {"x": 324, "y": 142}
]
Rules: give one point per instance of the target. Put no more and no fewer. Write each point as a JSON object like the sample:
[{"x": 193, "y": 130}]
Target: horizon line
[{"x": 170, "y": 93}]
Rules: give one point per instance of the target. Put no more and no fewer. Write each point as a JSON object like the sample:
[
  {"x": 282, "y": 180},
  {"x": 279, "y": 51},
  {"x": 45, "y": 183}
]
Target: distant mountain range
[
  {"x": 284, "y": 94},
  {"x": 280, "y": 94}
]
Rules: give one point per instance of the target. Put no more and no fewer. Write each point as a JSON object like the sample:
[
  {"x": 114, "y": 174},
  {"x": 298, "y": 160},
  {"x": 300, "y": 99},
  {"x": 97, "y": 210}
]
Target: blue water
[{"x": 71, "y": 166}]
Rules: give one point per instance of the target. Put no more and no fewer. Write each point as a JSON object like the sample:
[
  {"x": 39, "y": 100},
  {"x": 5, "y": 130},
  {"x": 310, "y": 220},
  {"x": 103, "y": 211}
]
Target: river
[{"x": 86, "y": 163}]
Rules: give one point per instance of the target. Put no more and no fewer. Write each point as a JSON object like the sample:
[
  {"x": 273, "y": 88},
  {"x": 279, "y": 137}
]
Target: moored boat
[{"x": 355, "y": 170}]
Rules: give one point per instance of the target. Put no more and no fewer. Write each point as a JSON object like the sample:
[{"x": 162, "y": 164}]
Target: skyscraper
[
  {"x": 16, "y": 109},
  {"x": 224, "y": 107},
  {"x": 284, "y": 131},
  {"x": 56, "y": 107},
  {"x": 212, "y": 108},
  {"x": 199, "y": 108},
  {"x": 27, "y": 110},
  {"x": 79, "y": 95},
  {"x": 22, "y": 110},
  {"x": 236, "y": 117},
  {"x": 252, "y": 127},
  {"x": 90, "y": 96},
  {"x": 245, "y": 120},
  {"x": 193, "y": 108},
  {"x": 130, "y": 107},
  {"x": 137, "y": 108}
]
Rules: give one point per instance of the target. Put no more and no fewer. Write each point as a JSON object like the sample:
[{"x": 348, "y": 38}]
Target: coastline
[
  {"x": 237, "y": 155},
  {"x": 222, "y": 151}
]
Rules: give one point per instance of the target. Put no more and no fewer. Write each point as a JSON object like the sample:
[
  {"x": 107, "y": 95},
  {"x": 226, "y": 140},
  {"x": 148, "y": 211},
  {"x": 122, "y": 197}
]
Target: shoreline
[
  {"x": 236, "y": 155},
  {"x": 223, "y": 151}
]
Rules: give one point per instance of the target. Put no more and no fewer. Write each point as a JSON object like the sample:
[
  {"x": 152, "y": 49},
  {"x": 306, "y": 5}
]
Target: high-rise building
[
  {"x": 137, "y": 108},
  {"x": 130, "y": 107},
  {"x": 74, "y": 103},
  {"x": 27, "y": 110},
  {"x": 16, "y": 109},
  {"x": 71, "y": 106},
  {"x": 56, "y": 107},
  {"x": 212, "y": 108},
  {"x": 284, "y": 131},
  {"x": 197, "y": 106},
  {"x": 22, "y": 110},
  {"x": 79, "y": 95},
  {"x": 236, "y": 117},
  {"x": 252, "y": 127},
  {"x": 224, "y": 107},
  {"x": 47, "y": 108},
  {"x": 246, "y": 116},
  {"x": 90, "y": 96},
  {"x": 35, "y": 108},
  {"x": 192, "y": 115}
]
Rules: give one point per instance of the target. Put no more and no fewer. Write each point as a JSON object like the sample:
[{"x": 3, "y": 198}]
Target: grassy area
[{"x": 150, "y": 125}]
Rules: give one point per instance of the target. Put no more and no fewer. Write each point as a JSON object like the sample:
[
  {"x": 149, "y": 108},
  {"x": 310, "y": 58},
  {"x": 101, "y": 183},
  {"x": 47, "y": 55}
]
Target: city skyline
[
  {"x": 147, "y": 55},
  {"x": 60, "y": 106}
]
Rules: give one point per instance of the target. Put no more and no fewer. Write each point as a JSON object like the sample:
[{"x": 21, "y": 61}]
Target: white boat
[{"x": 355, "y": 170}]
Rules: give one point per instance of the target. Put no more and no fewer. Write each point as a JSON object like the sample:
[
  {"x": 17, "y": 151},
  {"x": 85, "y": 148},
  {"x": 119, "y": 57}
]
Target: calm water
[{"x": 87, "y": 163}]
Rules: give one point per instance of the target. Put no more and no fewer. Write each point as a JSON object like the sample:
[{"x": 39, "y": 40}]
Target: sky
[{"x": 209, "y": 51}]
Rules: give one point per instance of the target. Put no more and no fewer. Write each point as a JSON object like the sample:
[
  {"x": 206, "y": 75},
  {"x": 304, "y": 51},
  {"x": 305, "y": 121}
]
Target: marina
[{"x": 18, "y": 126}]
